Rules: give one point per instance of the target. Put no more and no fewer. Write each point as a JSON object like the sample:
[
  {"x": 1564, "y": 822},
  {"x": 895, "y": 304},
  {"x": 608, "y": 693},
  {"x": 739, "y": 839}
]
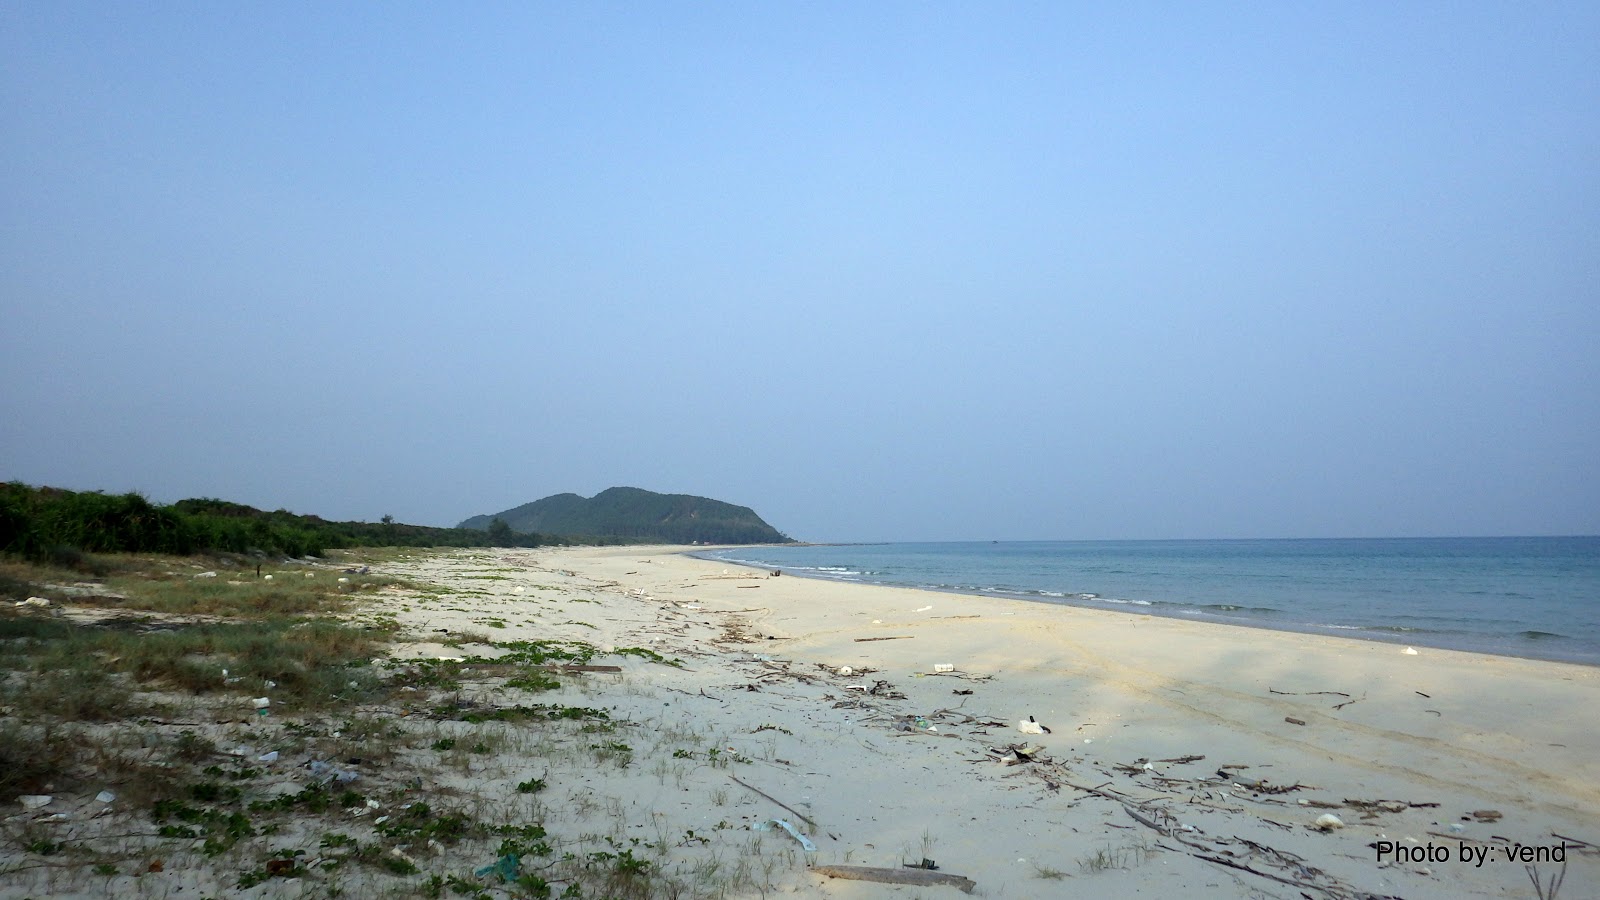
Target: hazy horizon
[{"x": 897, "y": 272}]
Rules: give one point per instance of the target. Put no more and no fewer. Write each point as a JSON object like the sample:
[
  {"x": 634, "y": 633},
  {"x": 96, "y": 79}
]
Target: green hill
[{"x": 638, "y": 515}]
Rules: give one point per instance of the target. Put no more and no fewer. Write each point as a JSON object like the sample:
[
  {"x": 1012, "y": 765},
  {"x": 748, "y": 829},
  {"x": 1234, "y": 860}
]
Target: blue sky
[{"x": 888, "y": 271}]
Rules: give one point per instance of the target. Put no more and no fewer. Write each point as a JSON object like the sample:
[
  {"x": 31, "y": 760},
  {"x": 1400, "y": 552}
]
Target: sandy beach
[
  {"x": 732, "y": 732},
  {"x": 1180, "y": 757}
]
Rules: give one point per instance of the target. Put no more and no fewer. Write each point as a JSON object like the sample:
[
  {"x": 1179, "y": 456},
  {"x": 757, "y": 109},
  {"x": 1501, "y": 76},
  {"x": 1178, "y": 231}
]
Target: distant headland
[{"x": 634, "y": 514}]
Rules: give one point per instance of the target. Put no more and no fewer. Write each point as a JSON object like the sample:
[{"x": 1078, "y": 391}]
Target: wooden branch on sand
[
  {"x": 898, "y": 637},
  {"x": 921, "y": 877},
  {"x": 802, "y": 816}
]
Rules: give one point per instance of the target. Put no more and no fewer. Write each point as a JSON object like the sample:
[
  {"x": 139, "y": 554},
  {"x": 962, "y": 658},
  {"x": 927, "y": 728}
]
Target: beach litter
[
  {"x": 508, "y": 867},
  {"x": 329, "y": 773},
  {"x": 944, "y": 667},
  {"x": 786, "y": 825},
  {"x": 34, "y": 801},
  {"x": 1328, "y": 822},
  {"x": 1410, "y": 651},
  {"x": 105, "y": 796},
  {"x": 1030, "y": 726},
  {"x": 918, "y": 877}
]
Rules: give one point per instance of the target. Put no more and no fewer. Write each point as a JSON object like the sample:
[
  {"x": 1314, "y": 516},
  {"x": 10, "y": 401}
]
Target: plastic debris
[
  {"x": 262, "y": 702},
  {"x": 1410, "y": 651},
  {"x": 924, "y": 609},
  {"x": 508, "y": 867},
  {"x": 786, "y": 825},
  {"x": 206, "y": 575},
  {"x": 268, "y": 757},
  {"x": 34, "y": 801},
  {"x": 1029, "y": 726},
  {"x": 845, "y": 671},
  {"x": 105, "y": 796},
  {"x": 330, "y": 773},
  {"x": 34, "y": 601},
  {"x": 944, "y": 667},
  {"x": 1329, "y": 821}
]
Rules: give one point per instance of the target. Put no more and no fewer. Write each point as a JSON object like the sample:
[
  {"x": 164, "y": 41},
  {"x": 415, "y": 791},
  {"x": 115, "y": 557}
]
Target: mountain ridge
[{"x": 637, "y": 514}]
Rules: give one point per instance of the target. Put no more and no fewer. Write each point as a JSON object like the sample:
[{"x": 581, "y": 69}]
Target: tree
[{"x": 500, "y": 533}]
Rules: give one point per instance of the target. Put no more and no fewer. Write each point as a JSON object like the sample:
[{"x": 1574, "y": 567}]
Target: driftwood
[
  {"x": 921, "y": 877},
  {"x": 802, "y": 816},
  {"x": 898, "y": 637},
  {"x": 1306, "y": 693}
]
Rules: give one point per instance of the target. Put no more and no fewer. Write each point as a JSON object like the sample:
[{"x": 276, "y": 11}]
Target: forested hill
[{"x": 635, "y": 514}]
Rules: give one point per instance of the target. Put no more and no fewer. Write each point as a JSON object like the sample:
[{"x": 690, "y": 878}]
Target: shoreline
[
  {"x": 1429, "y": 639},
  {"x": 1402, "y": 748}
]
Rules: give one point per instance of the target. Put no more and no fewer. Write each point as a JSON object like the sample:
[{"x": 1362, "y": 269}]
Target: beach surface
[{"x": 1173, "y": 757}]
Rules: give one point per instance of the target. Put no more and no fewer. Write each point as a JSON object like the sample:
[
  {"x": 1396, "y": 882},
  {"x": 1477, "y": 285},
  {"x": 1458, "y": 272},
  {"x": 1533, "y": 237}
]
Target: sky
[{"x": 884, "y": 271}]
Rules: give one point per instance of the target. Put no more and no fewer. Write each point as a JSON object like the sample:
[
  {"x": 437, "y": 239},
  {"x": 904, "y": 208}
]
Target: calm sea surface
[{"x": 1532, "y": 597}]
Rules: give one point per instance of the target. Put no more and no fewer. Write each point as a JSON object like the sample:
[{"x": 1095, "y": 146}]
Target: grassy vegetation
[{"x": 139, "y": 684}]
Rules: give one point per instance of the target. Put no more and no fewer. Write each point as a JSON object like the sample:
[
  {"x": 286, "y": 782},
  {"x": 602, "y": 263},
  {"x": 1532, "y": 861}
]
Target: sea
[{"x": 1532, "y": 597}]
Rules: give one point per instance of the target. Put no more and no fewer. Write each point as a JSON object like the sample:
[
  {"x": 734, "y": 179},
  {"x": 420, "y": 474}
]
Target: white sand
[{"x": 1466, "y": 732}]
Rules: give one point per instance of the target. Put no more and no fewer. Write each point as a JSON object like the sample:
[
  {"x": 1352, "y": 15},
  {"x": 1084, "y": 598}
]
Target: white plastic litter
[
  {"x": 262, "y": 702},
  {"x": 1028, "y": 726},
  {"x": 1329, "y": 821},
  {"x": 845, "y": 671},
  {"x": 805, "y": 842},
  {"x": 924, "y": 609},
  {"x": 35, "y": 801},
  {"x": 269, "y": 756},
  {"x": 105, "y": 796},
  {"x": 944, "y": 667},
  {"x": 1410, "y": 651}
]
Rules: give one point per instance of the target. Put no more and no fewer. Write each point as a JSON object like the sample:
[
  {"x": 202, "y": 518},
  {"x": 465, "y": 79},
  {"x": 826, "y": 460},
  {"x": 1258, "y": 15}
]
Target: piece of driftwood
[
  {"x": 1307, "y": 693},
  {"x": 898, "y": 637},
  {"x": 802, "y": 816},
  {"x": 1293, "y": 721},
  {"x": 921, "y": 877}
]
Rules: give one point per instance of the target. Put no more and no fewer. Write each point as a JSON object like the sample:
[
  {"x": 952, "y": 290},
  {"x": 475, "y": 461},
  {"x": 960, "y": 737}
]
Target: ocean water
[{"x": 1536, "y": 597}]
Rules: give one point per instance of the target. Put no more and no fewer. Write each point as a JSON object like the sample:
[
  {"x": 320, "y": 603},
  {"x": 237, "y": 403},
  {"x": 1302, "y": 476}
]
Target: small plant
[
  {"x": 649, "y": 655},
  {"x": 1048, "y": 873},
  {"x": 531, "y": 786},
  {"x": 1547, "y": 890},
  {"x": 1114, "y": 858}
]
